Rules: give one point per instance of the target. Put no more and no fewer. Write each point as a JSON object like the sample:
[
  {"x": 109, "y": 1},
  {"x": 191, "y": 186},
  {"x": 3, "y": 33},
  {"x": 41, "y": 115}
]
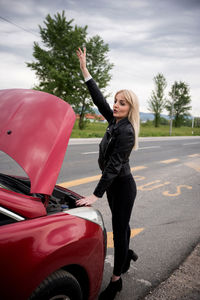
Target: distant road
[
  {"x": 82, "y": 154},
  {"x": 81, "y": 141}
]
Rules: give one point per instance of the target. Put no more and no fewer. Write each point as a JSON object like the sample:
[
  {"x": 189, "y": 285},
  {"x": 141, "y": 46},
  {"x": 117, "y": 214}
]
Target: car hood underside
[{"x": 35, "y": 128}]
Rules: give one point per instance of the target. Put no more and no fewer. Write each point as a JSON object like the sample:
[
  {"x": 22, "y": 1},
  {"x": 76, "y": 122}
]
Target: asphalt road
[{"x": 165, "y": 221}]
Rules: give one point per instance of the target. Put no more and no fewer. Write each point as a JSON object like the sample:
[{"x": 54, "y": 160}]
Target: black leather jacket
[{"x": 116, "y": 145}]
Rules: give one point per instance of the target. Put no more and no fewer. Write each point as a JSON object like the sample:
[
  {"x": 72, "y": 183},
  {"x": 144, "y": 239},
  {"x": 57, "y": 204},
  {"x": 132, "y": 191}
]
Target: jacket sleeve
[
  {"x": 99, "y": 100},
  {"x": 123, "y": 146}
]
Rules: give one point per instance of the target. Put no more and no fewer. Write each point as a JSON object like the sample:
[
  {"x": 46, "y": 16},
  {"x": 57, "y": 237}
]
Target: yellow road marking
[
  {"x": 169, "y": 161},
  {"x": 178, "y": 188},
  {"x": 68, "y": 184},
  {"x": 194, "y": 165},
  {"x": 84, "y": 180},
  {"x": 145, "y": 187},
  {"x": 134, "y": 232},
  {"x": 138, "y": 177},
  {"x": 138, "y": 168},
  {"x": 194, "y": 155}
]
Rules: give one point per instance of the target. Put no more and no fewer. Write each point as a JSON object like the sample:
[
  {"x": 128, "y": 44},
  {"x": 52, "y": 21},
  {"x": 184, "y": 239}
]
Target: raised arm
[
  {"x": 82, "y": 59},
  {"x": 95, "y": 93}
]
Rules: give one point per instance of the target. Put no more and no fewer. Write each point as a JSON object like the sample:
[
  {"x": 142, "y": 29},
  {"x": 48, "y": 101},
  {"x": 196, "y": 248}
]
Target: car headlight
[{"x": 87, "y": 213}]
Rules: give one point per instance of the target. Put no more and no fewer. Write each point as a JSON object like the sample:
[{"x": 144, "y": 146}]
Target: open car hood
[{"x": 35, "y": 128}]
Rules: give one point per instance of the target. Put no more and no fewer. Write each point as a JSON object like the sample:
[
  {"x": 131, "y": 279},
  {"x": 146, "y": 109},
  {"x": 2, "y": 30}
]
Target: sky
[{"x": 145, "y": 37}]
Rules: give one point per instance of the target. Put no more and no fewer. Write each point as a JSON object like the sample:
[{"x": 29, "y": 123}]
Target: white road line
[
  {"x": 191, "y": 144},
  {"x": 150, "y": 147},
  {"x": 142, "y": 148},
  {"x": 84, "y": 141},
  {"x": 94, "y": 152}
]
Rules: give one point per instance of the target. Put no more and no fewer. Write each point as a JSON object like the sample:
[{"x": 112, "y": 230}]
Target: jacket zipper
[{"x": 108, "y": 145}]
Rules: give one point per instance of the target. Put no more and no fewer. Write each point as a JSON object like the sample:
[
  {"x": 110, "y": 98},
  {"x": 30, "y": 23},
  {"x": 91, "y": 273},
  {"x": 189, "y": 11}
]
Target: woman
[{"x": 114, "y": 150}]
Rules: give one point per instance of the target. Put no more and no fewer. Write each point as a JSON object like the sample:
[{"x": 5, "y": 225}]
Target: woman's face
[{"x": 120, "y": 107}]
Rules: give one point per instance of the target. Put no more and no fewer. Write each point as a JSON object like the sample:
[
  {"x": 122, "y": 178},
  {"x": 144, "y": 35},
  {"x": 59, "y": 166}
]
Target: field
[{"x": 97, "y": 129}]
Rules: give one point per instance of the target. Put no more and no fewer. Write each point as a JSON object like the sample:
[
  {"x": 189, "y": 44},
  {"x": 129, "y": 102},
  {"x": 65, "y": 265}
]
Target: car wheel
[{"x": 60, "y": 285}]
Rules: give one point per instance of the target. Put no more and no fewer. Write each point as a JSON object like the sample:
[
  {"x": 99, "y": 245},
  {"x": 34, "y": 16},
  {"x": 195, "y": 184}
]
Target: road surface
[{"x": 165, "y": 221}]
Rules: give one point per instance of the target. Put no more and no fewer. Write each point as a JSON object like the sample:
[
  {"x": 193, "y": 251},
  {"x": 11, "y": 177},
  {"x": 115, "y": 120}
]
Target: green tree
[
  {"x": 187, "y": 122},
  {"x": 156, "y": 103},
  {"x": 163, "y": 121},
  {"x": 57, "y": 67},
  {"x": 178, "y": 106},
  {"x": 197, "y": 122}
]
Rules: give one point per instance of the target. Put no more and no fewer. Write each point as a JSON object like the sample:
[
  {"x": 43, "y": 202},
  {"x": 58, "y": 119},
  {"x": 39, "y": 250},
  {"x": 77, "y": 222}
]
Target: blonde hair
[{"x": 133, "y": 115}]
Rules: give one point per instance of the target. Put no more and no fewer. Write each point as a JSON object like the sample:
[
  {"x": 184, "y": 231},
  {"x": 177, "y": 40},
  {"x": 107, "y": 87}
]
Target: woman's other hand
[
  {"x": 82, "y": 59},
  {"x": 87, "y": 201}
]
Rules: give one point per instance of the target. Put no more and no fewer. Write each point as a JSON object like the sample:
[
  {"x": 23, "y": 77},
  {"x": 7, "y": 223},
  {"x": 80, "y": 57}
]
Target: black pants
[{"x": 121, "y": 196}]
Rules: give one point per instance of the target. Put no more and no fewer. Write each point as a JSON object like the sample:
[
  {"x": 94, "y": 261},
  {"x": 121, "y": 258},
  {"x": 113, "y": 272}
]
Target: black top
[{"x": 116, "y": 145}]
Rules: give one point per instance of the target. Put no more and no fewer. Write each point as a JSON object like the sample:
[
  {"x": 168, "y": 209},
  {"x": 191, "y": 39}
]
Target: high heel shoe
[
  {"x": 131, "y": 255},
  {"x": 110, "y": 292}
]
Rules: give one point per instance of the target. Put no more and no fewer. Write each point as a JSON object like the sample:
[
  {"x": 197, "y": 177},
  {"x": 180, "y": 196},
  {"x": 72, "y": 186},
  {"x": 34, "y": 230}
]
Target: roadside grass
[
  {"x": 97, "y": 129},
  {"x": 163, "y": 130}
]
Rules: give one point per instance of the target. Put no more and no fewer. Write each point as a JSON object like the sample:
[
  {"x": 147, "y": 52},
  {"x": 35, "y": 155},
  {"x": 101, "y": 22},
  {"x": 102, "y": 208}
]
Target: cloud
[
  {"x": 15, "y": 74},
  {"x": 145, "y": 37}
]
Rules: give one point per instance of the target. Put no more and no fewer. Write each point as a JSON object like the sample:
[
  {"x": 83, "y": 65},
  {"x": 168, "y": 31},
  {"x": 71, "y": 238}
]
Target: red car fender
[{"x": 45, "y": 245}]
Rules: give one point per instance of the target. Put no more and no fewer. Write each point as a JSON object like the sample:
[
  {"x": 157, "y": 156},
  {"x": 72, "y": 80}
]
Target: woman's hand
[
  {"x": 87, "y": 201},
  {"x": 82, "y": 59}
]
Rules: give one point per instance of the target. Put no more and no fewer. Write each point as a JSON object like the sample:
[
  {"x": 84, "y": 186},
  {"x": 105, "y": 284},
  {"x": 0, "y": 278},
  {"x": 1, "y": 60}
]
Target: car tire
[{"x": 60, "y": 285}]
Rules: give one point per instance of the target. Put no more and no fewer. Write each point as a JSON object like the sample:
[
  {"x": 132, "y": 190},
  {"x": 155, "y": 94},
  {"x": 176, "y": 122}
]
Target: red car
[{"x": 49, "y": 248}]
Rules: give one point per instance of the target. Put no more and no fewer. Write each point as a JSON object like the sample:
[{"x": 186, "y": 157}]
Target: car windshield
[{"x": 11, "y": 183}]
